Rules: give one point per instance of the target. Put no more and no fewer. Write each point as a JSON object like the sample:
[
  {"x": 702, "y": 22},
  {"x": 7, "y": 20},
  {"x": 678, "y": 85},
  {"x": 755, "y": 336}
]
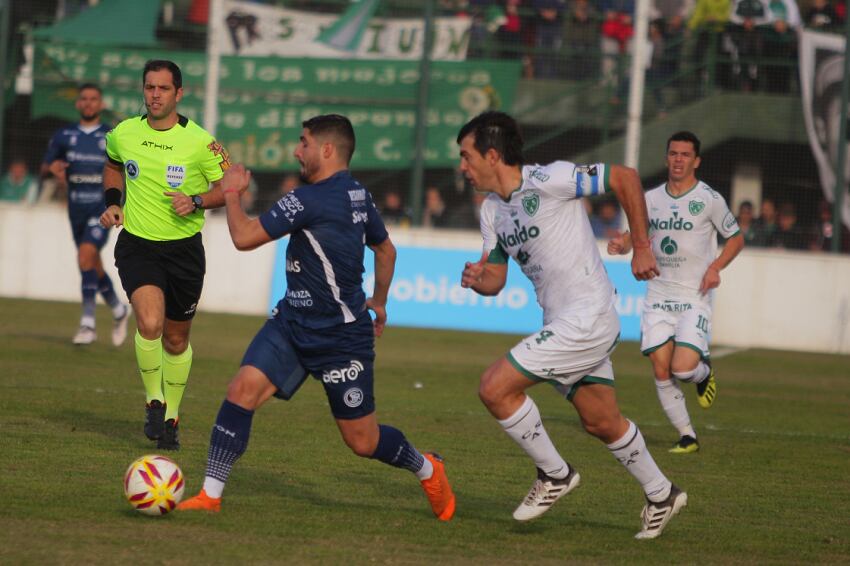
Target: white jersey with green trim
[
  {"x": 683, "y": 230},
  {"x": 545, "y": 228}
]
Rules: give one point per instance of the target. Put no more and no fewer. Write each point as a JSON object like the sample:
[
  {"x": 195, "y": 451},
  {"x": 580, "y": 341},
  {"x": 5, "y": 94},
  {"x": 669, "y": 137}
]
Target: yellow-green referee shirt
[{"x": 184, "y": 158}]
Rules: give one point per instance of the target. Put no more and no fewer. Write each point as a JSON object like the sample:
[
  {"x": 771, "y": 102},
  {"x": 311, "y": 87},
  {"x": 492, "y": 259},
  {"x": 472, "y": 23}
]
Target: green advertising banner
[{"x": 263, "y": 100}]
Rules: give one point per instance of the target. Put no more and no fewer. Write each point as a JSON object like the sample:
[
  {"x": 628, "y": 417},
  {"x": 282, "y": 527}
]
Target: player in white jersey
[
  {"x": 685, "y": 216},
  {"x": 534, "y": 214}
]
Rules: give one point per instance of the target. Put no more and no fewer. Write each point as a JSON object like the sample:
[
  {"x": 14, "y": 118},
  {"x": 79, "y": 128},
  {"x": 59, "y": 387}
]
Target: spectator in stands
[
  {"x": 749, "y": 21},
  {"x": 606, "y": 223},
  {"x": 548, "y": 39},
  {"x": 435, "y": 212},
  {"x": 780, "y": 44},
  {"x": 788, "y": 234},
  {"x": 582, "y": 36},
  {"x": 674, "y": 14},
  {"x": 705, "y": 28},
  {"x": 746, "y": 222},
  {"x": 822, "y": 16},
  {"x": 765, "y": 225},
  {"x": 617, "y": 30},
  {"x": 823, "y": 231},
  {"x": 509, "y": 33},
  {"x": 467, "y": 214},
  {"x": 18, "y": 185},
  {"x": 393, "y": 211}
]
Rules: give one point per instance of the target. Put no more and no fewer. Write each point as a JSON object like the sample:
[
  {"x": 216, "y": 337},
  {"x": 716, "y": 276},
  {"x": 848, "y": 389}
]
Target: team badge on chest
[
  {"x": 531, "y": 204},
  {"x": 174, "y": 175},
  {"x": 695, "y": 207}
]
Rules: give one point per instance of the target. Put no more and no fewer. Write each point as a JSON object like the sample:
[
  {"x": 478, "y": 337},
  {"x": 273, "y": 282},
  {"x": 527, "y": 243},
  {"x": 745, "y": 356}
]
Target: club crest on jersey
[
  {"x": 132, "y": 169},
  {"x": 695, "y": 207},
  {"x": 531, "y": 204},
  {"x": 174, "y": 175}
]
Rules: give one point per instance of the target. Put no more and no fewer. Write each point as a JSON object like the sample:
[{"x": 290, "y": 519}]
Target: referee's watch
[{"x": 198, "y": 202}]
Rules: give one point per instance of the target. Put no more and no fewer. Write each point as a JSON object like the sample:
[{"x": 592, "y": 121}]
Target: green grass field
[{"x": 770, "y": 484}]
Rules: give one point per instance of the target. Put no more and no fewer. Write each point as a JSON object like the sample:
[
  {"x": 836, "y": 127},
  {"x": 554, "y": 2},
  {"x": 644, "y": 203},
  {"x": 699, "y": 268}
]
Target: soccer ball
[{"x": 154, "y": 485}]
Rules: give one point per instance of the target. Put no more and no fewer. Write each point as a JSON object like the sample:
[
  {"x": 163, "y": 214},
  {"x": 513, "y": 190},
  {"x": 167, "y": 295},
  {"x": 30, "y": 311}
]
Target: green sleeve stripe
[
  {"x": 605, "y": 177},
  {"x": 498, "y": 255}
]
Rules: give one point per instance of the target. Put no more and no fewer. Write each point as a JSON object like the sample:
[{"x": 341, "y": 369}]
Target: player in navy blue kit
[
  {"x": 76, "y": 156},
  {"x": 322, "y": 325}
]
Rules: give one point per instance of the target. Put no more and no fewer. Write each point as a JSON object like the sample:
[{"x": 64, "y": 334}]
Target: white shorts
[
  {"x": 570, "y": 350},
  {"x": 687, "y": 324}
]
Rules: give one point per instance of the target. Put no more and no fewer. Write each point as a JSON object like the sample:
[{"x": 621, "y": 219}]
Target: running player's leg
[
  {"x": 120, "y": 311},
  {"x": 230, "y": 433},
  {"x": 269, "y": 367},
  {"x": 387, "y": 444},
  {"x": 672, "y": 399},
  {"x": 87, "y": 257},
  {"x": 596, "y": 404},
  {"x": 690, "y": 360}
]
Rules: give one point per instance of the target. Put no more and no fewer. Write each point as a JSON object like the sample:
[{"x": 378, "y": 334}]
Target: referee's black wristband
[{"x": 112, "y": 196}]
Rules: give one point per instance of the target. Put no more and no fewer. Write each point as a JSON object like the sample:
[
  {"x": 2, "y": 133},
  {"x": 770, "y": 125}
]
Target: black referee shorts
[{"x": 176, "y": 266}]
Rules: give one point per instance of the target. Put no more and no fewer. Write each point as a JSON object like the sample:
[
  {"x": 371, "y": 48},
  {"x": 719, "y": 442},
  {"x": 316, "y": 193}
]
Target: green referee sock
[
  {"x": 149, "y": 358},
  {"x": 175, "y": 374}
]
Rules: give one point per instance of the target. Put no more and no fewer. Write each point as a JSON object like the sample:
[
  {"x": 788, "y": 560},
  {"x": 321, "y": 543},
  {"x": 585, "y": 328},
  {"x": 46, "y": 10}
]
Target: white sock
[
  {"x": 426, "y": 471},
  {"x": 631, "y": 451},
  {"x": 526, "y": 429},
  {"x": 119, "y": 310},
  {"x": 673, "y": 402},
  {"x": 213, "y": 487},
  {"x": 696, "y": 375}
]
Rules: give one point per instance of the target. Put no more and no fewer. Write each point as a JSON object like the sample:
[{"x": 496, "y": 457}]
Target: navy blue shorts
[
  {"x": 342, "y": 357},
  {"x": 86, "y": 228}
]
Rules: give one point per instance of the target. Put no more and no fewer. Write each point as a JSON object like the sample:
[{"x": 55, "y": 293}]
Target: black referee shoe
[
  {"x": 154, "y": 417},
  {"x": 169, "y": 439}
]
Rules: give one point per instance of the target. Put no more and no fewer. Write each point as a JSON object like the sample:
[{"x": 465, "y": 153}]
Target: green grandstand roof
[{"x": 111, "y": 22}]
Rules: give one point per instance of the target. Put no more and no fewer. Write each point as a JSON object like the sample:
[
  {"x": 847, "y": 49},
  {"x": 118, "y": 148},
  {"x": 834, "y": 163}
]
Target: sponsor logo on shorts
[
  {"x": 132, "y": 169},
  {"x": 174, "y": 175},
  {"x": 191, "y": 308},
  {"x": 353, "y": 397},
  {"x": 342, "y": 375}
]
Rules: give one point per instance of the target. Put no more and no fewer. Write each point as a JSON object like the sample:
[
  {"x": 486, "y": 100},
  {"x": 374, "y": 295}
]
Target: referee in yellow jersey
[{"x": 171, "y": 169}]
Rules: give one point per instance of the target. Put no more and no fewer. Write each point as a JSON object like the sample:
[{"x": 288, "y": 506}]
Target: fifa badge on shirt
[{"x": 174, "y": 175}]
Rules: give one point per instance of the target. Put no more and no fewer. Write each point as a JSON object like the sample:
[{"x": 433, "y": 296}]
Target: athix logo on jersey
[
  {"x": 132, "y": 169},
  {"x": 695, "y": 207},
  {"x": 674, "y": 223},
  {"x": 155, "y": 145},
  {"x": 531, "y": 204},
  {"x": 345, "y": 374},
  {"x": 218, "y": 150},
  {"x": 519, "y": 236},
  {"x": 174, "y": 175}
]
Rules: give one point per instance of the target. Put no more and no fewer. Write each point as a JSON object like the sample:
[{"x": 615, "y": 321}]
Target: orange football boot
[
  {"x": 438, "y": 490},
  {"x": 201, "y": 502}
]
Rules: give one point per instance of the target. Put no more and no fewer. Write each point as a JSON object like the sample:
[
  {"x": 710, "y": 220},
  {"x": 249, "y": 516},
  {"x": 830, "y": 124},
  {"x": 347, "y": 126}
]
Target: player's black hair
[
  {"x": 336, "y": 126},
  {"x": 685, "y": 136},
  {"x": 87, "y": 86},
  {"x": 498, "y": 131},
  {"x": 159, "y": 65}
]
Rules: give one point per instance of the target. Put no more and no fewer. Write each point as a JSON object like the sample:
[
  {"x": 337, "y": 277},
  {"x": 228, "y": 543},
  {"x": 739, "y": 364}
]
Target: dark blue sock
[
  {"x": 229, "y": 439},
  {"x": 107, "y": 291},
  {"x": 394, "y": 449},
  {"x": 89, "y": 289}
]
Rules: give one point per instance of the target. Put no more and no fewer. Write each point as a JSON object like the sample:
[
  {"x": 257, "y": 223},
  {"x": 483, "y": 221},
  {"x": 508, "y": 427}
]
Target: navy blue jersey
[
  {"x": 330, "y": 222},
  {"x": 85, "y": 154}
]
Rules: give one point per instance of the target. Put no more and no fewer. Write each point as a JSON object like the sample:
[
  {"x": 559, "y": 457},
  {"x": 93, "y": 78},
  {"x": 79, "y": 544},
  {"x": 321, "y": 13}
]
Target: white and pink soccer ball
[{"x": 154, "y": 485}]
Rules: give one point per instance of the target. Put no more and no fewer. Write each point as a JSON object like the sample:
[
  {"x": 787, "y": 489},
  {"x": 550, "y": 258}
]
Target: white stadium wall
[{"x": 769, "y": 299}]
